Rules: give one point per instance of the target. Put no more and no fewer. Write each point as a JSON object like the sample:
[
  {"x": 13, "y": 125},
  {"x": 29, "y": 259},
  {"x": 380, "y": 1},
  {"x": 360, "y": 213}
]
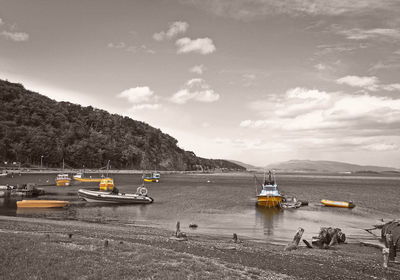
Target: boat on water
[
  {"x": 41, "y": 204},
  {"x": 269, "y": 196},
  {"x": 63, "y": 180},
  {"x": 107, "y": 184},
  {"x": 342, "y": 204},
  {"x": 122, "y": 198},
  {"x": 80, "y": 178},
  {"x": 153, "y": 177}
]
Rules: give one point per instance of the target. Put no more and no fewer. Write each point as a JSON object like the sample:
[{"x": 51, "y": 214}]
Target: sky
[{"x": 258, "y": 81}]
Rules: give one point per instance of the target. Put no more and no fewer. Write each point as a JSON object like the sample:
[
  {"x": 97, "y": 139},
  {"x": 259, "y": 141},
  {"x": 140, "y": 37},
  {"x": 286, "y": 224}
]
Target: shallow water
[{"x": 224, "y": 204}]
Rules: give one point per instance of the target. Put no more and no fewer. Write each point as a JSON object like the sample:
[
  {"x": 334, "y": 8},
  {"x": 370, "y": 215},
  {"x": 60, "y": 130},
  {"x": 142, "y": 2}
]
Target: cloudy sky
[{"x": 258, "y": 81}]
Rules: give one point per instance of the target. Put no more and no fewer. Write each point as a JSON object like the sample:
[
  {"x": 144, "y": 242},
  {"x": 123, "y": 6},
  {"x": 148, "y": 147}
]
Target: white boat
[{"x": 109, "y": 197}]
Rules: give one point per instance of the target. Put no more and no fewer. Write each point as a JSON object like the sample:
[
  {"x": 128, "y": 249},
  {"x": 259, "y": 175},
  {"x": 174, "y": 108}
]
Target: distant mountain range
[{"x": 318, "y": 166}]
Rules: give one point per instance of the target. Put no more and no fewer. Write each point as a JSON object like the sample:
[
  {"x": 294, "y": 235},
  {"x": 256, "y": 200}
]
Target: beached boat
[
  {"x": 269, "y": 196},
  {"x": 342, "y": 204},
  {"x": 41, "y": 204},
  {"x": 80, "y": 178},
  {"x": 154, "y": 177},
  {"x": 63, "y": 180},
  {"x": 109, "y": 197}
]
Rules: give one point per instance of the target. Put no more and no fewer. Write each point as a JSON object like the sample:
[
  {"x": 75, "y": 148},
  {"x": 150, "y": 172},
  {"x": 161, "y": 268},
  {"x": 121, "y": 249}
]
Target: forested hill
[{"x": 32, "y": 125}]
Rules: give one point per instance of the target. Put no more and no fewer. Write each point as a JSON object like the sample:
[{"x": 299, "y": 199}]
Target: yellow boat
[
  {"x": 41, "y": 204},
  {"x": 63, "y": 180},
  {"x": 342, "y": 204},
  {"x": 107, "y": 184},
  {"x": 79, "y": 177},
  {"x": 154, "y": 177},
  {"x": 269, "y": 196}
]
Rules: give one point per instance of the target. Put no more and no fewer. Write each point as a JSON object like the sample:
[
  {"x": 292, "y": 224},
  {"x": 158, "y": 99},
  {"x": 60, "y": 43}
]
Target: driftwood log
[
  {"x": 296, "y": 239},
  {"x": 328, "y": 237}
]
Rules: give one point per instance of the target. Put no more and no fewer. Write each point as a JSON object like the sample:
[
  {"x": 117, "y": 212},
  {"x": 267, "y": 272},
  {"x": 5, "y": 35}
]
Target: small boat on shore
[
  {"x": 342, "y": 204},
  {"x": 41, "y": 204},
  {"x": 122, "y": 198},
  {"x": 269, "y": 196}
]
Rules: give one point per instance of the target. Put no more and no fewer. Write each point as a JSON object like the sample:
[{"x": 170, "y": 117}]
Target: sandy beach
[{"x": 33, "y": 248}]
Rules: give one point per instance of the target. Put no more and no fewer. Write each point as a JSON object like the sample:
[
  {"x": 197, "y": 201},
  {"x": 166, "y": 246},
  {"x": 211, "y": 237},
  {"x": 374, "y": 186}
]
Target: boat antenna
[
  {"x": 108, "y": 165},
  {"x": 273, "y": 172}
]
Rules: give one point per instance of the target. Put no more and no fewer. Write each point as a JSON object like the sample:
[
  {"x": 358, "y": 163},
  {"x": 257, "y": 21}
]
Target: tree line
[{"x": 35, "y": 128}]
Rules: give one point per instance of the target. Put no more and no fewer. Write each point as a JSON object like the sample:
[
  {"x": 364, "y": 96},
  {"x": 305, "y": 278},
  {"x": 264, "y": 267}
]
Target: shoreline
[{"x": 136, "y": 252}]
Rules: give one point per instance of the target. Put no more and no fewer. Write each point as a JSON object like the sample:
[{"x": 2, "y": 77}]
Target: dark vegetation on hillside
[{"x": 32, "y": 126}]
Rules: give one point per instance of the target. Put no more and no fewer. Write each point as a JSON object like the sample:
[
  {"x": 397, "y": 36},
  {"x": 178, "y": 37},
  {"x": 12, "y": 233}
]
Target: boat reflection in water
[{"x": 269, "y": 218}]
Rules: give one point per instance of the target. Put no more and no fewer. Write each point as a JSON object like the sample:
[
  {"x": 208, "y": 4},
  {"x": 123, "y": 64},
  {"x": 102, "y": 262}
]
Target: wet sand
[{"x": 34, "y": 248}]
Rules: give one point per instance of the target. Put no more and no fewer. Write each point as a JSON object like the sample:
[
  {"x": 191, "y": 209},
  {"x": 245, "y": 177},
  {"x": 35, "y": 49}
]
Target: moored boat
[
  {"x": 154, "y": 177},
  {"x": 41, "y": 204},
  {"x": 269, "y": 196},
  {"x": 109, "y": 197},
  {"x": 342, "y": 204},
  {"x": 63, "y": 180},
  {"x": 80, "y": 177},
  {"x": 107, "y": 184}
]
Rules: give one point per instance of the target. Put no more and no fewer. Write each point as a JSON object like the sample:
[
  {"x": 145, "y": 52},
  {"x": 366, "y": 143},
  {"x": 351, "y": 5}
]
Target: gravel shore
[{"x": 51, "y": 249}]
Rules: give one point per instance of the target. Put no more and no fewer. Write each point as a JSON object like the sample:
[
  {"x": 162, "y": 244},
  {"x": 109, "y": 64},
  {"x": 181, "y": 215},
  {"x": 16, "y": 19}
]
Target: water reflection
[{"x": 267, "y": 217}]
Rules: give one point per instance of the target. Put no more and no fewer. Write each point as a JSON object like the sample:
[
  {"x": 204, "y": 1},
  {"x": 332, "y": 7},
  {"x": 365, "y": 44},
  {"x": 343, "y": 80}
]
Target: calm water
[{"x": 223, "y": 204}]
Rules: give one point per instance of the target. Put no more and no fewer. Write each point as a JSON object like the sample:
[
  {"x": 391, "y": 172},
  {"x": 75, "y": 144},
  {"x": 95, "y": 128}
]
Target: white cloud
[
  {"x": 141, "y": 98},
  {"x": 312, "y": 110},
  {"x": 201, "y": 45},
  {"x": 120, "y": 45},
  {"x": 320, "y": 66},
  {"x": 370, "y": 83},
  {"x": 198, "y": 69},
  {"x": 381, "y": 147},
  {"x": 175, "y": 28},
  {"x": 195, "y": 89},
  {"x": 137, "y": 94},
  {"x": 253, "y": 9},
  {"x": 146, "y": 107},
  {"x": 363, "y": 34},
  {"x": 15, "y": 36}
]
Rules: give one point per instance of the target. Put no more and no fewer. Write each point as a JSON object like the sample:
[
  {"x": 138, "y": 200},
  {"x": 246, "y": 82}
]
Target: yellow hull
[
  {"x": 88, "y": 179},
  {"x": 341, "y": 204},
  {"x": 151, "y": 180},
  {"x": 269, "y": 201},
  {"x": 41, "y": 204},
  {"x": 63, "y": 182}
]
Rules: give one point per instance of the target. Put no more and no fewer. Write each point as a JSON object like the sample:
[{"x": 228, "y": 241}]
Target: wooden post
[
  {"x": 385, "y": 253},
  {"x": 390, "y": 245},
  {"x": 178, "y": 230},
  {"x": 296, "y": 239},
  {"x": 235, "y": 238}
]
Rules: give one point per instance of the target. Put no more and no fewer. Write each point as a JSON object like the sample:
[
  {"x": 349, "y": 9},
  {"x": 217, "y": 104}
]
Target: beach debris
[
  {"x": 179, "y": 235},
  {"x": 296, "y": 239},
  {"x": 390, "y": 235},
  {"x": 307, "y": 244},
  {"x": 70, "y": 235},
  {"x": 385, "y": 253},
  {"x": 193, "y": 225},
  {"x": 105, "y": 243},
  {"x": 236, "y": 239},
  {"x": 328, "y": 237}
]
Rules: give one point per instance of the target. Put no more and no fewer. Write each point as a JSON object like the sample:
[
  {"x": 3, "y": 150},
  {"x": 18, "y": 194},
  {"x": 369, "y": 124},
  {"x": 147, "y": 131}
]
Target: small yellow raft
[
  {"x": 342, "y": 204},
  {"x": 41, "y": 204}
]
